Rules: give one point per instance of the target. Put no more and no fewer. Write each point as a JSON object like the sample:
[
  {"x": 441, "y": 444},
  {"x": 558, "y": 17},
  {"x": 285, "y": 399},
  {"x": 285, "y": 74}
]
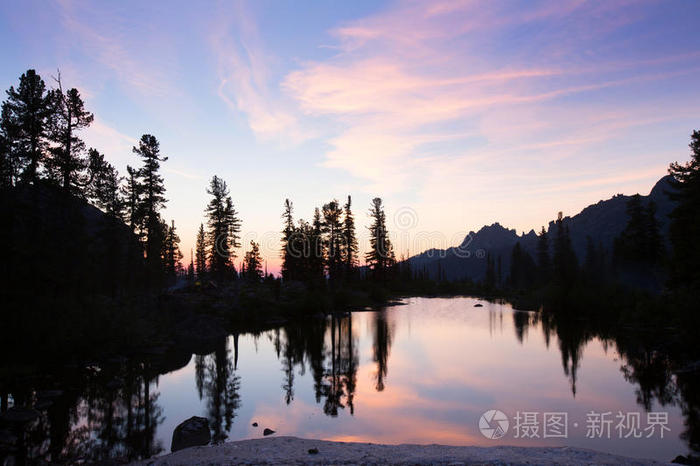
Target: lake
[{"x": 433, "y": 370}]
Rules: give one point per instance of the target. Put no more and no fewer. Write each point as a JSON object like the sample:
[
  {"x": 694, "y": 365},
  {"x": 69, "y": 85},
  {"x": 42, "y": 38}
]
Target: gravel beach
[{"x": 298, "y": 451}]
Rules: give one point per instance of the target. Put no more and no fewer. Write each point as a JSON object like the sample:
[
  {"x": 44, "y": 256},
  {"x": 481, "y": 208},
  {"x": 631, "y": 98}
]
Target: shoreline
[{"x": 293, "y": 450}]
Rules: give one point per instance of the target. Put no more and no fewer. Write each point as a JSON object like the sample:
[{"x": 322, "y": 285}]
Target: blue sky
[{"x": 457, "y": 113}]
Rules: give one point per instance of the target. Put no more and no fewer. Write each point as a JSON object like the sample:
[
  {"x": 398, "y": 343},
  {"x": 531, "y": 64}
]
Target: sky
[{"x": 456, "y": 113}]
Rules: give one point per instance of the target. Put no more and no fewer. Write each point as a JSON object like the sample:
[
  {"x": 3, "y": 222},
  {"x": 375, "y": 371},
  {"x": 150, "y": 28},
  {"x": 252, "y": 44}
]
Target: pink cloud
[{"x": 245, "y": 82}]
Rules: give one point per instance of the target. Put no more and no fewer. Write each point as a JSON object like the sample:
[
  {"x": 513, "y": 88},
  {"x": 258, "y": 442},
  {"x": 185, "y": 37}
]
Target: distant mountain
[{"x": 603, "y": 222}]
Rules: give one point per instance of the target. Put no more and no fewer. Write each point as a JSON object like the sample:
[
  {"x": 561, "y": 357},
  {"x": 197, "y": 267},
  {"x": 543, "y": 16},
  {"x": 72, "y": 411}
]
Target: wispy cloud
[
  {"x": 418, "y": 75},
  {"x": 127, "y": 51},
  {"x": 245, "y": 81}
]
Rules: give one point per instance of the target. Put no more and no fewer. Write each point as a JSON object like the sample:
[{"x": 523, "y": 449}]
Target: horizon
[
  {"x": 447, "y": 231},
  {"x": 439, "y": 109}
]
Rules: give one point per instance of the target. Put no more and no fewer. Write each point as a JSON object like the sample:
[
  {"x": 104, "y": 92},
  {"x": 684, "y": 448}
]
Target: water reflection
[
  {"x": 218, "y": 382},
  {"x": 381, "y": 345},
  {"x": 449, "y": 362}
]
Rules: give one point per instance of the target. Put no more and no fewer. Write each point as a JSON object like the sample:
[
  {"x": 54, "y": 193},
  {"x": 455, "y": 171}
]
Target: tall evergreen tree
[
  {"x": 522, "y": 269},
  {"x": 685, "y": 220},
  {"x": 290, "y": 255},
  {"x": 6, "y": 162},
  {"x": 26, "y": 114},
  {"x": 332, "y": 228},
  {"x": 132, "y": 199},
  {"x": 190, "y": 267},
  {"x": 317, "y": 247},
  {"x": 172, "y": 255},
  {"x": 68, "y": 118},
  {"x": 152, "y": 200},
  {"x": 106, "y": 190},
  {"x": 595, "y": 265},
  {"x": 223, "y": 229},
  {"x": 632, "y": 246},
  {"x": 544, "y": 262},
  {"x": 350, "y": 239},
  {"x": 380, "y": 257},
  {"x": 201, "y": 253},
  {"x": 564, "y": 261},
  {"x": 253, "y": 263}
]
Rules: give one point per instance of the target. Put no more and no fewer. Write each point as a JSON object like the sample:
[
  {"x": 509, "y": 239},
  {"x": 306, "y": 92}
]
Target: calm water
[{"x": 423, "y": 372}]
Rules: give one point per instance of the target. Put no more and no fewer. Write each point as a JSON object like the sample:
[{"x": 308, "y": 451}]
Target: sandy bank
[{"x": 292, "y": 450}]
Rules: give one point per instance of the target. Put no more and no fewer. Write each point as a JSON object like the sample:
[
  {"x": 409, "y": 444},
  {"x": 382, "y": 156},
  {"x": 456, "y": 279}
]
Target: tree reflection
[
  {"x": 381, "y": 345},
  {"x": 218, "y": 382},
  {"x": 110, "y": 412},
  {"x": 113, "y": 412},
  {"x": 328, "y": 347}
]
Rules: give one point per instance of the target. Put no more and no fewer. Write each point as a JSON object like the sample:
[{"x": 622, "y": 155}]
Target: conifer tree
[
  {"x": 6, "y": 162},
  {"x": 152, "y": 198},
  {"x": 564, "y": 261},
  {"x": 132, "y": 200},
  {"x": 253, "y": 263},
  {"x": 105, "y": 189},
  {"x": 201, "y": 254},
  {"x": 68, "y": 118},
  {"x": 223, "y": 230},
  {"x": 332, "y": 229},
  {"x": 544, "y": 263},
  {"x": 317, "y": 247},
  {"x": 595, "y": 265},
  {"x": 350, "y": 240},
  {"x": 25, "y": 119},
  {"x": 289, "y": 253},
  {"x": 172, "y": 255},
  {"x": 380, "y": 257},
  {"x": 522, "y": 269},
  {"x": 685, "y": 224},
  {"x": 632, "y": 246},
  {"x": 190, "y": 268}
]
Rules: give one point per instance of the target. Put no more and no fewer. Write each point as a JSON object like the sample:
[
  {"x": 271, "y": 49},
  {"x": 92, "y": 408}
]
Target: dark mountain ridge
[{"x": 603, "y": 222}]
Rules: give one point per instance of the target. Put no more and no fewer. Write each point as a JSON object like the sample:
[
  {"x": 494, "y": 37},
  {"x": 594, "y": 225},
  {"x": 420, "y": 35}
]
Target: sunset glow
[{"x": 435, "y": 106}]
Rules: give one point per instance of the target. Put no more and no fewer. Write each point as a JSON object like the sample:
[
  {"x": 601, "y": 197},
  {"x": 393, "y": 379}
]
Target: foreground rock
[
  {"x": 191, "y": 433},
  {"x": 292, "y": 450}
]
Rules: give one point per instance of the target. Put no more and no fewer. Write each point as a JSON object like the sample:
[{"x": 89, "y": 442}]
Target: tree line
[
  {"x": 41, "y": 144},
  {"x": 327, "y": 246},
  {"x": 640, "y": 259}
]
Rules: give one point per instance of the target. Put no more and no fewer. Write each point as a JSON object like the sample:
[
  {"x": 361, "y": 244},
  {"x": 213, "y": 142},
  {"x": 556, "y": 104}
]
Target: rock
[
  {"x": 20, "y": 416},
  {"x": 267, "y": 431},
  {"x": 313, "y": 451},
  {"x": 478, "y": 305},
  {"x": 255, "y": 424},
  {"x": 190, "y": 433}
]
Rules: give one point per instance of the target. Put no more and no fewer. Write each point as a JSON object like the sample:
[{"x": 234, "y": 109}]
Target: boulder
[{"x": 191, "y": 433}]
